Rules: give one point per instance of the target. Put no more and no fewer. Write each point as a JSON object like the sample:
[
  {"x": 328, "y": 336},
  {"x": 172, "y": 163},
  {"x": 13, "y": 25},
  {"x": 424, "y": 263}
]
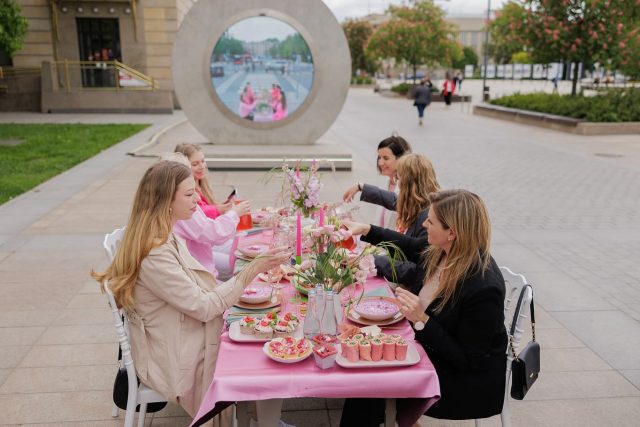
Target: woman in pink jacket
[
  {"x": 202, "y": 234},
  {"x": 173, "y": 304}
]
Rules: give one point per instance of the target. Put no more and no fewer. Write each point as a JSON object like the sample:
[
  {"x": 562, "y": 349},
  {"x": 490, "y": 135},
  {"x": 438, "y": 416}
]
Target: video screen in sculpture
[{"x": 262, "y": 69}]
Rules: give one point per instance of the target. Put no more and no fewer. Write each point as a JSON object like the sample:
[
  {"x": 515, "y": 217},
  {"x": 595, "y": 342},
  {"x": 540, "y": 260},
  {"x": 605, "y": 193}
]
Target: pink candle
[
  {"x": 298, "y": 238},
  {"x": 298, "y": 169},
  {"x": 321, "y": 220}
]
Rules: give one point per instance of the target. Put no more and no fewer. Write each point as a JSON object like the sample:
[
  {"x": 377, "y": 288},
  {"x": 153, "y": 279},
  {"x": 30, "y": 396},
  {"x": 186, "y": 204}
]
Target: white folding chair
[
  {"x": 514, "y": 313},
  {"x": 138, "y": 394},
  {"x": 141, "y": 395}
]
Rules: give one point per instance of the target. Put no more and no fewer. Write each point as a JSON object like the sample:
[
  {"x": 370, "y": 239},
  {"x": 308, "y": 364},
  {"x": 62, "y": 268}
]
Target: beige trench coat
[{"x": 177, "y": 323}]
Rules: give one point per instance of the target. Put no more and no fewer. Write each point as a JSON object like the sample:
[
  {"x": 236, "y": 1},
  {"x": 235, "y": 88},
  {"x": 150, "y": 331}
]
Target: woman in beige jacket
[{"x": 173, "y": 304}]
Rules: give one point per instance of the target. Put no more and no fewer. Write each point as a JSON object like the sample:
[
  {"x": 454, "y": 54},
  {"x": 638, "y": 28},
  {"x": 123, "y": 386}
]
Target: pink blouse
[{"x": 201, "y": 233}]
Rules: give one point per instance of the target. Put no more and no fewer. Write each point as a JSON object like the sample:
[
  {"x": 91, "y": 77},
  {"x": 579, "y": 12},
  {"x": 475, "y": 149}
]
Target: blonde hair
[
  {"x": 417, "y": 180},
  {"x": 465, "y": 214},
  {"x": 149, "y": 226},
  {"x": 188, "y": 150},
  {"x": 175, "y": 157}
]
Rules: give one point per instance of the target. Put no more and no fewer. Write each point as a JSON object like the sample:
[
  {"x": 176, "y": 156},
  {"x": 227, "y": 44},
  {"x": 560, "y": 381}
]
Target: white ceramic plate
[
  {"x": 236, "y": 335},
  {"x": 265, "y": 349},
  {"x": 413, "y": 357}
]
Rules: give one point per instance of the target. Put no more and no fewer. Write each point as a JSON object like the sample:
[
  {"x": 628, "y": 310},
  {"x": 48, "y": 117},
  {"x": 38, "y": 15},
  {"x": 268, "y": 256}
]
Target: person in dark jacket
[
  {"x": 457, "y": 314},
  {"x": 422, "y": 98},
  {"x": 416, "y": 179}
]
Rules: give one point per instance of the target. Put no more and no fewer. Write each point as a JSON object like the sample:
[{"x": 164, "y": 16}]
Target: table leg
[
  {"x": 268, "y": 412},
  {"x": 390, "y": 413},
  {"x": 242, "y": 414}
]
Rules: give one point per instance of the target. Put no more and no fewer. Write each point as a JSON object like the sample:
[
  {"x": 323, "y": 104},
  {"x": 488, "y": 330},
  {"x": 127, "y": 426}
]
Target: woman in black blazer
[
  {"x": 416, "y": 179},
  {"x": 456, "y": 308}
]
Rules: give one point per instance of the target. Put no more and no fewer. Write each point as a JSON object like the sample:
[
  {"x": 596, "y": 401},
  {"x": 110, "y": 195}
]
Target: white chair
[
  {"x": 111, "y": 242},
  {"x": 138, "y": 394},
  {"x": 514, "y": 313}
]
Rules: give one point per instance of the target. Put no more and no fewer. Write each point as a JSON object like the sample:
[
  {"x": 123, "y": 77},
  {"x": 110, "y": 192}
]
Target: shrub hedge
[
  {"x": 361, "y": 80},
  {"x": 616, "y": 105},
  {"x": 403, "y": 88}
]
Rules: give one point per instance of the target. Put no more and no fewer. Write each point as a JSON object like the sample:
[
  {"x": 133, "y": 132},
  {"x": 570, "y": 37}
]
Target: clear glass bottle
[
  {"x": 329, "y": 324},
  {"x": 311, "y": 325},
  {"x": 319, "y": 301}
]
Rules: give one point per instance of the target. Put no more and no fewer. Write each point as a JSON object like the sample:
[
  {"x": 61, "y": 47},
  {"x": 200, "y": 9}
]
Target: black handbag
[
  {"x": 525, "y": 367},
  {"x": 121, "y": 390}
]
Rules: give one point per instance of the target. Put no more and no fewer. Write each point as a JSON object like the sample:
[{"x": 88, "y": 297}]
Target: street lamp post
[{"x": 486, "y": 49}]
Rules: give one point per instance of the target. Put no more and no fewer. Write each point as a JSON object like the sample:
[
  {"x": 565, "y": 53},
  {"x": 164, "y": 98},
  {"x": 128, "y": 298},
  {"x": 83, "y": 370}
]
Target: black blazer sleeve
[
  {"x": 410, "y": 246},
  {"x": 407, "y": 272},
  {"x": 378, "y": 196},
  {"x": 480, "y": 319}
]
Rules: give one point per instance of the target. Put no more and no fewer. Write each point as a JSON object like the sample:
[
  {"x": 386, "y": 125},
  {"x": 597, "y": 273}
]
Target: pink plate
[
  {"x": 254, "y": 294},
  {"x": 376, "y": 309}
]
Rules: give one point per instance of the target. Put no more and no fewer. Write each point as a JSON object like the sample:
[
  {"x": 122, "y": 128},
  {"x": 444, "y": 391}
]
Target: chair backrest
[
  {"x": 111, "y": 242},
  {"x": 122, "y": 331},
  {"x": 516, "y": 309}
]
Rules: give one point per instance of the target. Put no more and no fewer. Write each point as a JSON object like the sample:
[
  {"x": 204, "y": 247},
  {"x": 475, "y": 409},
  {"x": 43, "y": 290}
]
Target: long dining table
[{"x": 244, "y": 374}]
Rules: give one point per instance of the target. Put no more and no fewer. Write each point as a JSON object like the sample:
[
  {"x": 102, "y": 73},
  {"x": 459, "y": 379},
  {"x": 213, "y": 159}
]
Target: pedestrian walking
[
  {"x": 555, "y": 84},
  {"x": 460, "y": 78},
  {"x": 447, "y": 89},
  {"x": 422, "y": 98}
]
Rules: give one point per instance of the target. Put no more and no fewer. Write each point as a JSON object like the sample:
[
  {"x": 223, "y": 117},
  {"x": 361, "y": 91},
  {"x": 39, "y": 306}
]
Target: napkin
[{"x": 381, "y": 291}]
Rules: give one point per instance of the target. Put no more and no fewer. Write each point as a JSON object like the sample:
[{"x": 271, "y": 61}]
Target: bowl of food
[
  {"x": 377, "y": 308},
  {"x": 254, "y": 294}
]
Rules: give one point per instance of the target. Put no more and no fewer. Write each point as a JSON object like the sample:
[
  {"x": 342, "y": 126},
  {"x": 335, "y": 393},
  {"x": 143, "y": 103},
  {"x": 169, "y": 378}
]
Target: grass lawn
[{"x": 49, "y": 149}]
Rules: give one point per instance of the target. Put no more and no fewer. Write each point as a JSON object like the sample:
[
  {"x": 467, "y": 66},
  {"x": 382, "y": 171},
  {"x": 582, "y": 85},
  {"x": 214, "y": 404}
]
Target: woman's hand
[
  {"x": 357, "y": 228},
  {"x": 242, "y": 208},
  {"x": 224, "y": 207},
  {"x": 410, "y": 305},
  {"x": 270, "y": 259},
  {"x": 350, "y": 193}
]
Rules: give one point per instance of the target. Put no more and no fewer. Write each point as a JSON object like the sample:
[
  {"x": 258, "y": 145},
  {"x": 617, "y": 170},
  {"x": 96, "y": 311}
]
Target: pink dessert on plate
[{"x": 325, "y": 355}]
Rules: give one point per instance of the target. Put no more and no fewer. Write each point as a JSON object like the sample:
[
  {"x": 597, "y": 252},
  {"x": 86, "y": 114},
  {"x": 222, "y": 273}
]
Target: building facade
[{"x": 139, "y": 34}]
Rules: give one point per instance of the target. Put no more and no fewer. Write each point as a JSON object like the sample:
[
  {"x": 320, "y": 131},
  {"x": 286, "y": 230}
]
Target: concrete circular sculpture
[{"x": 194, "y": 69}]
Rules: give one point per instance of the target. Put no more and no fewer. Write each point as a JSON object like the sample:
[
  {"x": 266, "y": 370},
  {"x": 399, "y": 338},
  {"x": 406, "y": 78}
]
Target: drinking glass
[{"x": 246, "y": 223}]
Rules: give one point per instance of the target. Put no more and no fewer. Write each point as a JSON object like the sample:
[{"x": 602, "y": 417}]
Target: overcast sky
[
  {"x": 357, "y": 8},
  {"x": 259, "y": 28}
]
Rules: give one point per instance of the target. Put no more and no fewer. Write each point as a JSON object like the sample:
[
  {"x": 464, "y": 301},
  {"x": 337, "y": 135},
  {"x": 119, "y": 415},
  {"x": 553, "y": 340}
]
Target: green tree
[
  {"x": 579, "y": 31},
  {"x": 505, "y": 31},
  {"x": 228, "y": 45},
  {"x": 358, "y": 34},
  {"x": 13, "y": 27},
  {"x": 469, "y": 56},
  {"x": 416, "y": 34}
]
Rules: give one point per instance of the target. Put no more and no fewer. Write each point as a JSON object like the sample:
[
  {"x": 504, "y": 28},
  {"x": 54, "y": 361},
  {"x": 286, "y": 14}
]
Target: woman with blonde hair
[
  {"x": 199, "y": 169},
  {"x": 457, "y": 309},
  {"x": 205, "y": 236},
  {"x": 173, "y": 304},
  {"x": 416, "y": 178}
]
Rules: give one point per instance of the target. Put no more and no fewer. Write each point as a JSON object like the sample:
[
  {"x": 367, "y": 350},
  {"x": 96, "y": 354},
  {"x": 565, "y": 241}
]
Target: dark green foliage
[{"x": 615, "y": 105}]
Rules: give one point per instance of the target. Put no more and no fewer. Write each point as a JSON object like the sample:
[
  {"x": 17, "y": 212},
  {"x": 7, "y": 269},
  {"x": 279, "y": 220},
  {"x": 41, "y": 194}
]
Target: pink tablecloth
[{"x": 245, "y": 373}]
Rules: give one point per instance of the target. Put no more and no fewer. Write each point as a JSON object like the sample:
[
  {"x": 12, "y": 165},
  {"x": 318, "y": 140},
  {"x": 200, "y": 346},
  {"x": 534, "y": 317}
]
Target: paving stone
[
  {"x": 70, "y": 355},
  {"x": 20, "y": 336},
  {"x": 581, "y": 385},
  {"x": 10, "y": 356},
  {"x": 59, "y": 379}
]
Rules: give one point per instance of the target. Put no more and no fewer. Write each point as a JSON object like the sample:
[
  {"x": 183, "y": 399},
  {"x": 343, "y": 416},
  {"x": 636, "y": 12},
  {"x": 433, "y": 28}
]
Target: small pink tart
[{"x": 325, "y": 355}]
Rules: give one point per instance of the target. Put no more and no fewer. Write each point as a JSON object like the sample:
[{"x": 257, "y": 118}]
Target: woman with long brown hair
[
  {"x": 416, "y": 178},
  {"x": 173, "y": 304},
  {"x": 390, "y": 150},
  {"x": 457, "y": 309}
]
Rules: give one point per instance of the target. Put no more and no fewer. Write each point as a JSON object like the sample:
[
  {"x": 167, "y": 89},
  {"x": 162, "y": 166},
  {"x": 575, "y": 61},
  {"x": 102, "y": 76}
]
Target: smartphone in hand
[{"x": 231, "y": 196}]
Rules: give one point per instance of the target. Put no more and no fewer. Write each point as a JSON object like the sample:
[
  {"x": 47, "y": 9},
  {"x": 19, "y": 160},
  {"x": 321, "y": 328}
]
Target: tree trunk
[
  {"x": 415, "y": 66},
  {"x": 574, "y": 80}
]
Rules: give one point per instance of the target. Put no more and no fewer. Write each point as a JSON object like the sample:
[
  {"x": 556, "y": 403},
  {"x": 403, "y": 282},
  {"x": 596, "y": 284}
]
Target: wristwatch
[{"x": 419, "y": 325}]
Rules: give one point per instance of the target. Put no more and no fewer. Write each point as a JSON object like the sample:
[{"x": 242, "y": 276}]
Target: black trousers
[{"x": 447, "y": 99}]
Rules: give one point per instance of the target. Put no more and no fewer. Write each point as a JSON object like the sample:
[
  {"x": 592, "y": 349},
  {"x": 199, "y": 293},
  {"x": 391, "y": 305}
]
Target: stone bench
[{"x": 552, "y": 121}]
